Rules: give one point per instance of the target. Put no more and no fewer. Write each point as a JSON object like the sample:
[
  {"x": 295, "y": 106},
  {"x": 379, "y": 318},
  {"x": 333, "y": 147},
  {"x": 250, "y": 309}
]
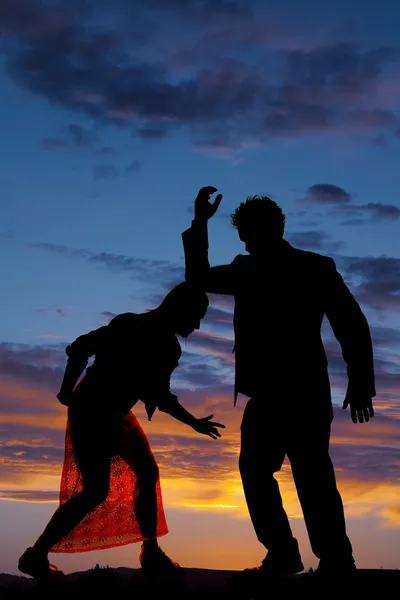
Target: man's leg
[
  {"x": 262, "y": 454},
  {"x": 322, "y": 506}
]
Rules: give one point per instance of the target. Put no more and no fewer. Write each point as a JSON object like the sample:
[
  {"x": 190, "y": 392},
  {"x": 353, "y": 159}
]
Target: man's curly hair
[{"x": 259, "y": 210}]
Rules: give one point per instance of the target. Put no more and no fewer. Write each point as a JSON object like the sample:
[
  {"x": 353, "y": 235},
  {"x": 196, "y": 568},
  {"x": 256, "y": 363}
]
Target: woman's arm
[
  {"x": 176, "y": 410},
  {"x": 170, "y": 404},
  {"x": 78, "y": 356}
]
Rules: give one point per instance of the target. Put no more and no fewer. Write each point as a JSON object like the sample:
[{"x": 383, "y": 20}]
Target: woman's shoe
[
  {"x": 156, "y": 561},
  {"x": 37, "y": 565}
]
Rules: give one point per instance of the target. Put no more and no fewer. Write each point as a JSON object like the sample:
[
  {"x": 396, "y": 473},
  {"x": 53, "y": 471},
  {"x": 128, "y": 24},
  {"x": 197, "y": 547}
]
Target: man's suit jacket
[{"x": 280, "y": 303}]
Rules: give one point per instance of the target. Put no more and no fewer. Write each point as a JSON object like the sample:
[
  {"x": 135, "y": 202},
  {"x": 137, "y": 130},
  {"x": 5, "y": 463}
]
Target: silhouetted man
[{"x": 281, "y": 296}]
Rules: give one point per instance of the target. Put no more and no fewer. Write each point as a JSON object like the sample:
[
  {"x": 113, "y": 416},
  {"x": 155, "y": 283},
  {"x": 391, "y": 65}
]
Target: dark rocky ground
[{"x": 123, "y": 583}]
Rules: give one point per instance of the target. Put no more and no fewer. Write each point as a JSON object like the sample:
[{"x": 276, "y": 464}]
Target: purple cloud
[
  {"x": 327, "y": 193},
  {"x": 163, "y": 271},
  {"x": 59, "y": 310},
  {"x": 314, "y": 240},
  {"x": 382, "y": 211},
  {"x": 341, "y": 202},
  {"x": 153, "y": 79},
  {"x": 30, "y": 495},
  {"x": 378, "y": 280},
  {"x": 108, "y": 315},
  {"x": 40, "y": 365}
]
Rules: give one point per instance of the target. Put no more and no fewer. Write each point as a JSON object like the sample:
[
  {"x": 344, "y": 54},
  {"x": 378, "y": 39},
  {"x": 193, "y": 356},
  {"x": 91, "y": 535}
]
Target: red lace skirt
[{"x": 113, "y": 523}]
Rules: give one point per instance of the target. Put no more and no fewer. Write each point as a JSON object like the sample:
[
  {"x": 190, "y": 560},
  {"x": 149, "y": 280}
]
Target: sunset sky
[{"x": 113, "y": 113}]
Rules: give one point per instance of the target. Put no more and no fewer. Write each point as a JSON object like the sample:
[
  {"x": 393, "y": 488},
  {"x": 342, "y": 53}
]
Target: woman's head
[{"x": 185, "y": 305}]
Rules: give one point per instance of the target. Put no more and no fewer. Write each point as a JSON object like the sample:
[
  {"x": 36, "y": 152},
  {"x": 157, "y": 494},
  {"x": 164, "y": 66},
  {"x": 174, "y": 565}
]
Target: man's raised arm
[{"x": 217, "y": 280}]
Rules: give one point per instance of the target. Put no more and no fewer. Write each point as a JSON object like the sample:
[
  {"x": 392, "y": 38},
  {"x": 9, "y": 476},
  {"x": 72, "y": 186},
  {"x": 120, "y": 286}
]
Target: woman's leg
[
  {"x": 94, "y": 462},
  {"x": 134, "y": 448},
  {"x": 70, "y": 514}
]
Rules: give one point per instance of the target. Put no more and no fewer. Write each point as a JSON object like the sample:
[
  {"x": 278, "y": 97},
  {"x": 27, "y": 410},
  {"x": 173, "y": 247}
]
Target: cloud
[
  {"x": 224, "y": 303},
  {"x": 191, "y": 73},
  {"x": 76, "y": 136},
  {"x": 29, "y": 496},
  {"x": 162, "y": 271},
  {"x": 220, "y": 315},
  {"x": 327, "y": 193},
  {"x": 385, "y": 337},
  {"x": 376, "y": 280},
  {"x": 41, "y": 365},
  {"x": 48, "y": 247},
  {"x": 32, "y": 422},
  {"x": 61, "y": 311},
  {"x": 105, "y": 172},
  {"x": 376, "y": 211},
  {"x": 107, "y": 315},
  {"x": 392, "y": 512},
  {"x": 382, "y": 211},
  {"x": 314, "y": 240},
  {"x": 201, "y": 372},
  {"x": 340, "y": 202},
  {"x": 354, "y": 222}
]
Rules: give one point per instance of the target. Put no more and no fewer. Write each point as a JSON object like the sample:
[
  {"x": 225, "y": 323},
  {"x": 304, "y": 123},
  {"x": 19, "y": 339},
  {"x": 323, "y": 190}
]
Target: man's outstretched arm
[
  {"x": 352, "y": 332},
  {"x": 217, "y": 280}
]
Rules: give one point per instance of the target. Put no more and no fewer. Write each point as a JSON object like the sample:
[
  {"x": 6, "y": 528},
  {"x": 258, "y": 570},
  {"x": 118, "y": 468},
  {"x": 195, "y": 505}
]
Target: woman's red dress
[{"x": 113, "y": 523}]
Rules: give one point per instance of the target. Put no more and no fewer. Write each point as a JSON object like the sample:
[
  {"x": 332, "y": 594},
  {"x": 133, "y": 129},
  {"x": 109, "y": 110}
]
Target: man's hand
[
  {"x": 203, "y": 208},
  {"x": 208, "y": 427},
  {"x": 65, "y": 398},
  {"x": 361, "y": 408}
]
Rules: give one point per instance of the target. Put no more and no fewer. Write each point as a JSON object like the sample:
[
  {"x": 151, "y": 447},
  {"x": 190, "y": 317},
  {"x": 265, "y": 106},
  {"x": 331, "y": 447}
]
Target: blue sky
[{"x": 113, "y": 115}]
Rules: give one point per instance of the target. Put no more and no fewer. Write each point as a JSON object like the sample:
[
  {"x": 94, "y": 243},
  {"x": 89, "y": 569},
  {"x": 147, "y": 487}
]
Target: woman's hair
[{"x": 185, "y": 297}]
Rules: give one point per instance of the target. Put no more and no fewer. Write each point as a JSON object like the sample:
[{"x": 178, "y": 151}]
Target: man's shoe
[
  {"x": 36, "y": 565},
  {"x": 279, "y": 563},
  {"x": 337, "y": 566}
]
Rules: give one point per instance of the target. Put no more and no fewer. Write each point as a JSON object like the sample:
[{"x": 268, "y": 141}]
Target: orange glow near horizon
[{"x": 199, "y": 477}]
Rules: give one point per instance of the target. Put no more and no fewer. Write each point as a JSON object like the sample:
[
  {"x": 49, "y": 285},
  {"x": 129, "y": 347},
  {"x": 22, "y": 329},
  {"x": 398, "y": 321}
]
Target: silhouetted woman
[{"x": 110, "y": 490}]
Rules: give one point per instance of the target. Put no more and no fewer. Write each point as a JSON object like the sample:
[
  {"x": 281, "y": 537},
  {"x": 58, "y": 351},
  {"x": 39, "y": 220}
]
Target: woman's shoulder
[{"x": 125, "y": 321}]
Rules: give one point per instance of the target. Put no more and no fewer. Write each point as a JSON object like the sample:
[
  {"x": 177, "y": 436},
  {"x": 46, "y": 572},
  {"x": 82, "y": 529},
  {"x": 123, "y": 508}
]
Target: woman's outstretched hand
[{"x": 208, "y": 427}]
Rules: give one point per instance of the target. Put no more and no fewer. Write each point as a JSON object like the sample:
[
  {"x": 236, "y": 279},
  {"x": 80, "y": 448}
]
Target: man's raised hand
[{"x": 203, "y": 208}]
